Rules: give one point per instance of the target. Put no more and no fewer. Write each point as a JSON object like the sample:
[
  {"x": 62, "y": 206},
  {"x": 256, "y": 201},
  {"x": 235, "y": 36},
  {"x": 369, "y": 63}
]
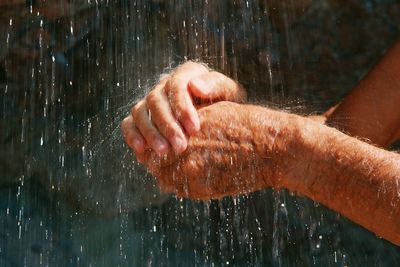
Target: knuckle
[
  {"x": 193, "y": 65},
  {"x": 164, "y": 77},
  {"x": 124, "y": 124},
  {"x": 152, "y": 97},
  {"x": 168, "y": 86},
  {"x": 125, "y": 121},
  {"x": 222, "y": 79},
  {"x": 136, "y": 108},
  {"x": 190, "y": 63}
]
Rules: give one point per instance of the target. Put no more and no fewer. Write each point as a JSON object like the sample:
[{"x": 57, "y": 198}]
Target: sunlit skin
[
  {"x": 172, "y": 110},
  {"x": 229, "y": 148}
]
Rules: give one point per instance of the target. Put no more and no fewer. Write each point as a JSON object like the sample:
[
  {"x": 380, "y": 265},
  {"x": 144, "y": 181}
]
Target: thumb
[{"x": 216, "y": 86}]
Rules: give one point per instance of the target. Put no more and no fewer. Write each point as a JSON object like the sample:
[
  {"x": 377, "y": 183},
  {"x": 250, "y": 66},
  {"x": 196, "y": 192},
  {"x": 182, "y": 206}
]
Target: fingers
[
  {"x": 179, "y": 97},
  {"x": 164, "y": 119},
  {"x": 133, "y": 137},
  {"x": 143, "y": 123},
  {"x": 216, "y": 86}
]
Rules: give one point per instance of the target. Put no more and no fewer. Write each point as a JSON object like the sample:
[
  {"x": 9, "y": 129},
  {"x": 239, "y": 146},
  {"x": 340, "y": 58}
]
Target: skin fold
[
  {"x": 234, "y": 152},
  {"x": 244, "y": 148},
  {"x": 228, "y": 148}
]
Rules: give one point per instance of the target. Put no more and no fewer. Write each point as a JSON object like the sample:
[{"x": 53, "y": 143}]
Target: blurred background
[{"x": 71, "y": 193}]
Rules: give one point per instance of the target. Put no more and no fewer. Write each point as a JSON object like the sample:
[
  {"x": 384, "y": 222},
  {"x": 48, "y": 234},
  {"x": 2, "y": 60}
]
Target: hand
[
  {"x": 239, "y": 149},
  {"x": 165, "y": 117}
]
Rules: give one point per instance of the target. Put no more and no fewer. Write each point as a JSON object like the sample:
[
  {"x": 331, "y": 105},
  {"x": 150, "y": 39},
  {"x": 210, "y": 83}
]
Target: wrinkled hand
[
  {"x": 236, "y": 151},
  {"x": 167, "y": 115}
]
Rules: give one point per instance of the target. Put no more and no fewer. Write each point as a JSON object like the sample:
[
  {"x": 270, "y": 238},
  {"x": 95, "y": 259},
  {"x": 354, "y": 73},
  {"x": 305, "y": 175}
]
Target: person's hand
[
  {"x": 167, "y": 115},
  {"x": 239, "y": 149}
]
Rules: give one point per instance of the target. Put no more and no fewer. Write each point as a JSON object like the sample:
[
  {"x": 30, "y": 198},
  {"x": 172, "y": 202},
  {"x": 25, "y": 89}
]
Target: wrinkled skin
[
  {"x": 235, "y": 152},
  {"x": 173, "y": 105},
  {"x": 243, "y": 148}
]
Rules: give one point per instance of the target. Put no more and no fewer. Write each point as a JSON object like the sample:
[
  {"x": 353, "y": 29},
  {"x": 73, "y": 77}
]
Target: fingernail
[
  {"x": 201, "y": 85},
  {"x": 161, "y": 147},
  {"x": 179, "y": 144}
]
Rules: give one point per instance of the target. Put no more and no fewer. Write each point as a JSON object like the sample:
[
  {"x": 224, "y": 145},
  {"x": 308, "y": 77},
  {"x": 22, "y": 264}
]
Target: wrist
[
  {"x": 298, "y": 149},
  {"x": 278, "y": 140}
]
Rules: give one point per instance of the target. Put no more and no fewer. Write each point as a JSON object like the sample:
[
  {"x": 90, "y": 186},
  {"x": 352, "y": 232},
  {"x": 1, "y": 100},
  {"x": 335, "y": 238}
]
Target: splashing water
[{"x": 71, "y": 192}]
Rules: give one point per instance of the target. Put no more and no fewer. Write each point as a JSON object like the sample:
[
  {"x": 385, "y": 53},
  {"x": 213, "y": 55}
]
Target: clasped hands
[{"x": 199, "y": 145}]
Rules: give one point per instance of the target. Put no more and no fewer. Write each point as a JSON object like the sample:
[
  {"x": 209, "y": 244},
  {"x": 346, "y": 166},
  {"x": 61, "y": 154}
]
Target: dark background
[{"x": 71, "y": 193}]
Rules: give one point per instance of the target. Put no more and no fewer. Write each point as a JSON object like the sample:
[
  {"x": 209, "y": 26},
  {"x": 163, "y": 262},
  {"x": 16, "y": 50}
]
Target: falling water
[{"x": 71, "y": 192}]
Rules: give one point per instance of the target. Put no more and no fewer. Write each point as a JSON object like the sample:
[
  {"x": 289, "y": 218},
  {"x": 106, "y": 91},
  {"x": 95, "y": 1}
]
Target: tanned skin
[
  {"x": 229, "y": 149},
  {"x": 244, "y": 148},
  {"x": 372, "y": 109}
]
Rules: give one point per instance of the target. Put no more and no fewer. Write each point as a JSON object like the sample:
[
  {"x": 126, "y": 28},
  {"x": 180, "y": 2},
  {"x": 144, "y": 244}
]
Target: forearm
[
  {"x": 371, "y": 109},
  {"x": 356, "y": 179},
  {"x": 244, "y": 148}
]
